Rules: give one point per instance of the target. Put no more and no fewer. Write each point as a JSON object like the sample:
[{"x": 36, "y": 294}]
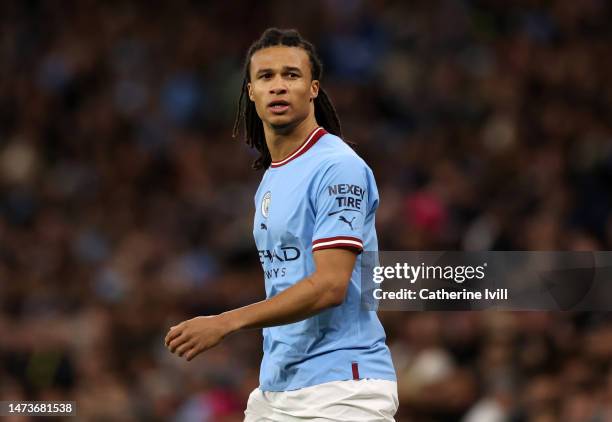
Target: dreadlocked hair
[{"x": 246, "y": 115}]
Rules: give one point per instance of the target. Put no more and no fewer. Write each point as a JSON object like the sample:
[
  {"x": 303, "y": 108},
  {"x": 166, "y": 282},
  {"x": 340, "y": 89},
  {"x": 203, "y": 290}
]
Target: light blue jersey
[{"x": 321, "y": 196}]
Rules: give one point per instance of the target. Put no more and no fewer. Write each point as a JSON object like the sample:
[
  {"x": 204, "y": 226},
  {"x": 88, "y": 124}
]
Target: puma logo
[
  {"x": 263, "y": 226},
  {"x": 350, "y": 223}
]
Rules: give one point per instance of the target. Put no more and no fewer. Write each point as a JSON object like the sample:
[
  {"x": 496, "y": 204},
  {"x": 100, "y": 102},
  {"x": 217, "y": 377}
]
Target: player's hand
[{"x": 190, "y": 338}]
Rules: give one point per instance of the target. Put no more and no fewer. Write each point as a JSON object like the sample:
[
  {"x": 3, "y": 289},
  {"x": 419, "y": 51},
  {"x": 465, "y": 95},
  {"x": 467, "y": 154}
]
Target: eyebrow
[{"x": 285, "y": 69}]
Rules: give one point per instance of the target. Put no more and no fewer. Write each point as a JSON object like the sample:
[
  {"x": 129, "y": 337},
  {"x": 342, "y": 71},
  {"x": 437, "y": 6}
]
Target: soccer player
[{"x": 325, "y": 356}]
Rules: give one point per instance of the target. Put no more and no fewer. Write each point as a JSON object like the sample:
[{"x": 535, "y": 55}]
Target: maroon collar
[{"x": 311, "y": 139}]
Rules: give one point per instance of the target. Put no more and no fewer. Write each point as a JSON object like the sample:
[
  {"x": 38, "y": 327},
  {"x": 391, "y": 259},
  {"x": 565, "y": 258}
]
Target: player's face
[{"x": 281, "y": 85}]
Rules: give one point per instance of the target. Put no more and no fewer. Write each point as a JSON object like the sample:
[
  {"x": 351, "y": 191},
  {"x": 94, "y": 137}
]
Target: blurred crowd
[{"x": 126, "y": 206}]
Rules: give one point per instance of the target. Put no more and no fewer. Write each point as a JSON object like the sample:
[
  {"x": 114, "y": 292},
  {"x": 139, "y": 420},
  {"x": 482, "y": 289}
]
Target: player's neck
[{"x": 281, "y": 143}]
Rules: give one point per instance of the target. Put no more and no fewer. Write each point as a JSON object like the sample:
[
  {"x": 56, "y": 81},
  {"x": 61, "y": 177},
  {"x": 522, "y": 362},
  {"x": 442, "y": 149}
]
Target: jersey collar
[{"x": 311, "y": 139}]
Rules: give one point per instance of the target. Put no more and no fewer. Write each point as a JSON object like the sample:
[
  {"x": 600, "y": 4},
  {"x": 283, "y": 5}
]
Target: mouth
[{"x": 278, "y": 106}]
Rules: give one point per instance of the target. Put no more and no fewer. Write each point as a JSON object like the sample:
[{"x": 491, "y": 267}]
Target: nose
[{"x": 278, "y": 87}]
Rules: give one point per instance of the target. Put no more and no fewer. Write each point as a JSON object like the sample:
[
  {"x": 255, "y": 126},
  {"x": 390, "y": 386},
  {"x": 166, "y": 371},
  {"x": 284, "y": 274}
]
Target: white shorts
[{"x": 364, "y": 400}]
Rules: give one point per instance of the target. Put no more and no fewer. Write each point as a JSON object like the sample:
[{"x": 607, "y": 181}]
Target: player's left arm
[{"x": 324, "y": 288}]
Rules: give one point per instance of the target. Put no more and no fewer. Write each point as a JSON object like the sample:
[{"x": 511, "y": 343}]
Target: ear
[
  {"x": 250, "y": 90},
  {"x": 314, "y": 89}
]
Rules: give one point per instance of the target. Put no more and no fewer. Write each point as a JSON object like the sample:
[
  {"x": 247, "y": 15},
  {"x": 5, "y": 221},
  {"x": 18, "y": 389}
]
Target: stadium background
[{"x": 125, "y": 205}]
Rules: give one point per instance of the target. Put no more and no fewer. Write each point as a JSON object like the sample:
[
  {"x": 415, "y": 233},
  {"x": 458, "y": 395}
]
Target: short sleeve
[{"x": 341, "y": 204}]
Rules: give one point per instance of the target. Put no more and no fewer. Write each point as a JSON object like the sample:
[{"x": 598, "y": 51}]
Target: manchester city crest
[{"x": 265, "y": 204}]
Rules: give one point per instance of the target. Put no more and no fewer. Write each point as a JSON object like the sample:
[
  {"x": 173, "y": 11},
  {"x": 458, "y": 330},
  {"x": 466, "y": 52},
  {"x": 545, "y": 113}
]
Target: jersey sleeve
[{"x": 341, "y": 204}]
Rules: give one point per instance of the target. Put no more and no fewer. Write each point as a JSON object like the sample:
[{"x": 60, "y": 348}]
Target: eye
[
  {"x": 266, "y": 76},
  {"x": 293, "y": 75}
]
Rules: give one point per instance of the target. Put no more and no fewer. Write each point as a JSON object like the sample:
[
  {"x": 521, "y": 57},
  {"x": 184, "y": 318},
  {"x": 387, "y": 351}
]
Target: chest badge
[{"x": 265, "y": 204}]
